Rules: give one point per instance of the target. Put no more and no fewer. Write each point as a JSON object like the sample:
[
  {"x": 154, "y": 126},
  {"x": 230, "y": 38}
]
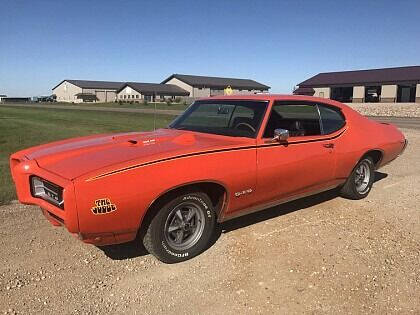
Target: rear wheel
[
  {"x": 360, "y": 182},
  {"x": 182, "y": 228}
]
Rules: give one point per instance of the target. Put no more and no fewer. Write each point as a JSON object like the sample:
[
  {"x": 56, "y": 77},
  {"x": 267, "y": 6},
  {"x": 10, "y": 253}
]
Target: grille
[{"x": 43, "y": 189}]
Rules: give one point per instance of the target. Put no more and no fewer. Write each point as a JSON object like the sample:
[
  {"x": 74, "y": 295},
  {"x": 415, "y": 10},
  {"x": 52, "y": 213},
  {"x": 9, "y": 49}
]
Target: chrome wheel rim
[
  {"x": 184, "y": 226},
  {"x": 362, "y": 177}
]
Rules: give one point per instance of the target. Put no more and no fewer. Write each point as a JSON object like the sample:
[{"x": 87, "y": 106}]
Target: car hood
[{"x": 75, "y": 157}]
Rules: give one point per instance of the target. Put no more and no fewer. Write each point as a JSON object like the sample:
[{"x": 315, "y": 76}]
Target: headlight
[{"x": 41, "y": 188}]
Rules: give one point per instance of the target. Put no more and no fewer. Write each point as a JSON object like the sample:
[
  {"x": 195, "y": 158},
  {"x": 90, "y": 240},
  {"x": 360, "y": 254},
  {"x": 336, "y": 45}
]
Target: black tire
[
  {"x": 352, "y": 189},
  {"x": 169, "y": 246}
]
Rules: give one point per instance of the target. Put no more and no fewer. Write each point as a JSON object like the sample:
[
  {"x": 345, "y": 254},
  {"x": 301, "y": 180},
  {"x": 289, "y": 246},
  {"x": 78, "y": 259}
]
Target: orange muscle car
[{"x": 222, "y": 158}]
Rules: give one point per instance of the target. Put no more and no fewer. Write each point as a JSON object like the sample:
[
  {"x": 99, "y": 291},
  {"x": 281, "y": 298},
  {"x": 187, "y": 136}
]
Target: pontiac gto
[{"x": 222, "y": 158}]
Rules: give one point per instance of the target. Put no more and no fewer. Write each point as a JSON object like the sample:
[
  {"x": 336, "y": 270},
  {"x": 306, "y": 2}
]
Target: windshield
[{"x": 235, "y": 118}]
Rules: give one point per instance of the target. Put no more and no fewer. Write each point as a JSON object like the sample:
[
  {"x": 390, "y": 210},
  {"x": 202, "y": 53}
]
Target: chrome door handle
[{"x": 329, "y": 145}]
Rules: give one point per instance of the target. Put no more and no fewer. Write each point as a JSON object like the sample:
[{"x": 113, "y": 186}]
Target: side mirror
[{"x": 281, "y": 135}]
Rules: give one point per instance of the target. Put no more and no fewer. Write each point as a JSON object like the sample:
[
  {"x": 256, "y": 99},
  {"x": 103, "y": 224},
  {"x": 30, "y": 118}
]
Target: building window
[
  {"x": 137, "y": 96},
  {"x": 406, "y": 93}
]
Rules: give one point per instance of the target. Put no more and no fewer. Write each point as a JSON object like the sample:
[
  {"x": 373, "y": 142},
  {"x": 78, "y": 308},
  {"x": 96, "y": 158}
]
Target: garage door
[{"x": 100, "y": 95}]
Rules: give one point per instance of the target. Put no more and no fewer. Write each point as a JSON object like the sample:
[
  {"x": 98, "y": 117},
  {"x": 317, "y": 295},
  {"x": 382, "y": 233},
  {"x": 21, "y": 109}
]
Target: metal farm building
[{"x": 387, "y": 85}]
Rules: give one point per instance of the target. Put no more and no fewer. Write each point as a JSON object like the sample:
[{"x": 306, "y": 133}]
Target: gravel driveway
[{"x": 322, "y": 254}]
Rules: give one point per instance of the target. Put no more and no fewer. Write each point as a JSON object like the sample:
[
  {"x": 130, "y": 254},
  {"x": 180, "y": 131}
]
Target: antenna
[{"x": 154, "y": 118}]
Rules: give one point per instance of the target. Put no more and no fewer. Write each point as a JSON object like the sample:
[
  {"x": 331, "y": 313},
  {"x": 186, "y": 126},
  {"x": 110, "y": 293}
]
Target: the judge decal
[{"x": 103, "y": 206}]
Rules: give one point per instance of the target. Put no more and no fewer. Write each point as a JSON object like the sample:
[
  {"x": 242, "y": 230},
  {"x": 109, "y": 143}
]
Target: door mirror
[{"x": 281, "y": 135}]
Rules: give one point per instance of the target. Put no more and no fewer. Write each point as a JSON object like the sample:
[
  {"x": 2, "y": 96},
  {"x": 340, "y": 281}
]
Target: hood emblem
[
  {"x": 149, "y": 141},
  {"x": 103, "y": 206}
]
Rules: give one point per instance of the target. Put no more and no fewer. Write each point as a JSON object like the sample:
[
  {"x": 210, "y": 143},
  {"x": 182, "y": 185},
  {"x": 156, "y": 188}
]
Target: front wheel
[
  {"x": 360, "y": 181},
  {"x": 182, "y": 228}
]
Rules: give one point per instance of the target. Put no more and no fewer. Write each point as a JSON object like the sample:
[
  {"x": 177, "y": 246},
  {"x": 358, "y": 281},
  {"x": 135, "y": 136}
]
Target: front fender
[{"x": 133, "y": 189}]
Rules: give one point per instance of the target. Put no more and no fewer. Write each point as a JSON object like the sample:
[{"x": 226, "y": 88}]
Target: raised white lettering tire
[{"x": 181, "y": 228}]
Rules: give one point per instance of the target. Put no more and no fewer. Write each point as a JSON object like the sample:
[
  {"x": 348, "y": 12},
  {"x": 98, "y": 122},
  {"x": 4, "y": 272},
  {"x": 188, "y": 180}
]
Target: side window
[
  {"x": 332, "y": 119},
  {"x": 299, "y": 119}
]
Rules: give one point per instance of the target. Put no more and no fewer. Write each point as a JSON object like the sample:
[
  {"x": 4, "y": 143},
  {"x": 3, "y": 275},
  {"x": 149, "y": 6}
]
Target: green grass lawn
[
  {"x": 25, "y": 127},
  {"x": 127, "y": 105}
]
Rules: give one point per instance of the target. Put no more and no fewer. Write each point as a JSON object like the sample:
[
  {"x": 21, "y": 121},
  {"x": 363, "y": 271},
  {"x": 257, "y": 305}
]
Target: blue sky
[{"x": 279, "y": 43}]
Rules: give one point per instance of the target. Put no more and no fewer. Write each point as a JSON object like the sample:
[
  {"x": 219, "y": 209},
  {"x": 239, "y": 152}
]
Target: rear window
[{"x": 332, "y": 119}]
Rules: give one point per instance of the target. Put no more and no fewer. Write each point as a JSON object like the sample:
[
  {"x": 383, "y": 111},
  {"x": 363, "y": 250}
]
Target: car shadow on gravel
[
  {"x": 278, "y": 211},
  {"x": 285, "y": 208},
  {"x": 136, "y": 249},
  {"x": 125, "y": 251}
]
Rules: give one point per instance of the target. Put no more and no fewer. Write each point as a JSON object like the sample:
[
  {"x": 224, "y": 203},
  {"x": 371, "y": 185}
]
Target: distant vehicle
[
  {"x": 222, "y": 158},
  {"x": 372, "y": 96},
  {"x": 372, "y": 93},
  {"x": 45, "y": 99}
]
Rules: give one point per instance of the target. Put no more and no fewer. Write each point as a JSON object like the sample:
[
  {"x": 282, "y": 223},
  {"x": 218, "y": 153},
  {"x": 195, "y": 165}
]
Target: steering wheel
[{"x": 246, "y": 125}]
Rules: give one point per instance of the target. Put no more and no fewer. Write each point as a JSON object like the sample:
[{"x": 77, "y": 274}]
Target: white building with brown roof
[
  {"x": 203, "y": 86},
  {"x": 151, "y": 92},
  {"x": 177, "y": 85},
  {"x": 78, "y": 91}
]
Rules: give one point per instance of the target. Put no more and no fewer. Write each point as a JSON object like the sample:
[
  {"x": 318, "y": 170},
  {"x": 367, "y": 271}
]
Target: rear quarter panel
[{"x": 363, "y": 135}]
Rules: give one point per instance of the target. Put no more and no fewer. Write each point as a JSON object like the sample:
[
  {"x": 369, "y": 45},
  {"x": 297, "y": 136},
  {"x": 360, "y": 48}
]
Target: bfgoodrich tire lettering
[{"x": 181, "y": 228}]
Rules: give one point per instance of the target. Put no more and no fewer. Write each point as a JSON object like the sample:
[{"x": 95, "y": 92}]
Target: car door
[{"x": 302, "y": 164}]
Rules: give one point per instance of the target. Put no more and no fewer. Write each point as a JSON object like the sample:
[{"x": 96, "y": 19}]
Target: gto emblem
[
  {"x": 103, "y": 206},
  {"x": 243, "y": 192}
]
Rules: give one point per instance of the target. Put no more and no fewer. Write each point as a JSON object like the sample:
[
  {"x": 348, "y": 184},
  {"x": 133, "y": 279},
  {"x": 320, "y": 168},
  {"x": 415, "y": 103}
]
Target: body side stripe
[
  {"x": 168, "y": 159},
  {"x": 128, "y": 168}
]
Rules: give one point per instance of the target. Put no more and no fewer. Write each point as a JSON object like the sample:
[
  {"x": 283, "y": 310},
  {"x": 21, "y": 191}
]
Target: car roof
[{"x": 277, "y": 97}]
